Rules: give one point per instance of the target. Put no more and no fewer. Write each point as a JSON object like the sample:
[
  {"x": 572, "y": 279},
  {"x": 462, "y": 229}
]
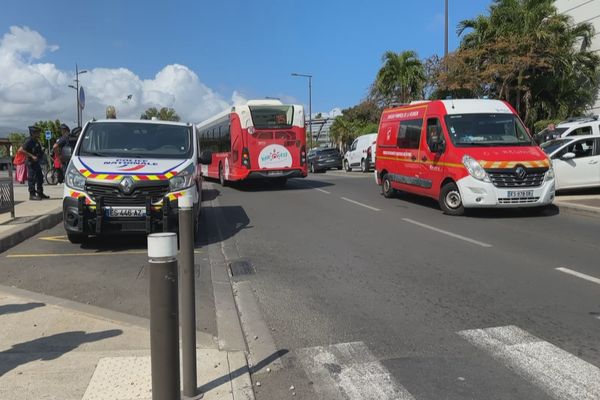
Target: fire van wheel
[
  {"x": 347, "y": 166},
  {"x": 386, "y": 187},
  {"x": 450, "y": 200},
  {"x": 76, "y": 238}
]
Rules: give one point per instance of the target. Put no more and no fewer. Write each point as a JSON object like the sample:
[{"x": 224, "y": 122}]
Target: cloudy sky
[{"x": 201, "y": 58}]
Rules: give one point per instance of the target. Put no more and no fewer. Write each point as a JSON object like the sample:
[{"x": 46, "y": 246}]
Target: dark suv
[{"x": 324, "y": 159}]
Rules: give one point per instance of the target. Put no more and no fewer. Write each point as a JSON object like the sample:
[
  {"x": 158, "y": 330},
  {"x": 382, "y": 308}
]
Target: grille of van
[
  {"x": 517, "y": 200},
  {"x": 113, "y": 196},
  {"x": 507, "y": 178}
]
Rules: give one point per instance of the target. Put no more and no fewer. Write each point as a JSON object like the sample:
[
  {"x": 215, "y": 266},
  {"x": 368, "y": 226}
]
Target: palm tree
[
  {"x": 524, "y": 52},
  {"x": 164, "y": 114},
  {"x": 400, "y": 79}
]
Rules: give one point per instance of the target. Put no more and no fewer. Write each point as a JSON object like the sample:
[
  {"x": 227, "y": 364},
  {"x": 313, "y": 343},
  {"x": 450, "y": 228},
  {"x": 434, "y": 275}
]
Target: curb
[
  {"x": 578, "y": 209},
  {"x": 24, "y": 231}
]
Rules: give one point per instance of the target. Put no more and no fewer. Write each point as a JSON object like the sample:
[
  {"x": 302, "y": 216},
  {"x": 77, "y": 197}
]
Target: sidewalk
[
  {"x": 52, "y": 348},
  {"x": 582, "y": 202}
]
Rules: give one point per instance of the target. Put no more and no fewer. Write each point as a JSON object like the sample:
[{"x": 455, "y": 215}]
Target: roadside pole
[
  {"x": 188, "y": 302},
  {"x": 164, "y": 321}
]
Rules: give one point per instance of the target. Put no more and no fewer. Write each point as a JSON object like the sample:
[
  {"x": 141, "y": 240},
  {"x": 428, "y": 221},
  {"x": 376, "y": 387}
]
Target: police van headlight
[
  {"x": 74, "y": 178},
  {"x": 475, "y": 169},
  {"x": 549, "y": 174},
  {"x": 183, "y": 180}
]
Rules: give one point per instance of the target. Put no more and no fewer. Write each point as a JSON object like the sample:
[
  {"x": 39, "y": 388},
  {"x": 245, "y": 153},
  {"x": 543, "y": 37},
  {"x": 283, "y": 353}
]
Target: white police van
[{"x": 127, "y": 175}]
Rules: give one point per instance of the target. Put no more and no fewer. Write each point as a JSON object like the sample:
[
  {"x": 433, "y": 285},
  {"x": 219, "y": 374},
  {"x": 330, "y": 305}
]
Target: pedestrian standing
[
  {"x": 111, "y": 112},
  {"x": 20, "y": 162},
  {"x": 57, "y": 150},
  {"x": 33, "y": 151}
]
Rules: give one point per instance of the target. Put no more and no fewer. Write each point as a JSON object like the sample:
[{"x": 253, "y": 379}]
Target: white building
[{"x": 584, "y": 11}]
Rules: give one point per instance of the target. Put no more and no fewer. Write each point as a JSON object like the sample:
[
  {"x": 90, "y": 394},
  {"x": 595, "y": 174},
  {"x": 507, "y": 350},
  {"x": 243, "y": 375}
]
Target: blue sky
[{"x": 238, "y": 48}]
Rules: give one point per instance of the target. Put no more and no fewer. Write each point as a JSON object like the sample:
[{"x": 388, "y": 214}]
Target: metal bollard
[
  {"x": 164, "y": 323},
  {"x": 188, "y": 291}
]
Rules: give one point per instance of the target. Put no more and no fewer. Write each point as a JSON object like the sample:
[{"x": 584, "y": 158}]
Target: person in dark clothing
[
  {"x": 33, "y": 151},
  {"x": 57, "y": 149}
]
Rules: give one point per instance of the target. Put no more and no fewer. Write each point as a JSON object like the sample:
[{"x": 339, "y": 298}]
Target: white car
[
  {"x": 575, "y": 127},
  {"x": 361, "y": 153},
  {"x": 576, "y": 161}
]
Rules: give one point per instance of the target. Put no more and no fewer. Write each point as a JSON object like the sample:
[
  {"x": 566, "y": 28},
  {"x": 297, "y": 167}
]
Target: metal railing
[{"x": 7, "y": 194}]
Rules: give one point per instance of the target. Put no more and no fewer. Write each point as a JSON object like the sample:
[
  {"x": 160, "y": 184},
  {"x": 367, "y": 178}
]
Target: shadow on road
[
  {"x": 274, "y": 185},
  {"x": 240, "y": 371},
  {"x": 49, "y": 347},
  {"x": 17, "y": 308},
  {"x": 219, "y": 223},
  {"x": 487, "y": 213}
]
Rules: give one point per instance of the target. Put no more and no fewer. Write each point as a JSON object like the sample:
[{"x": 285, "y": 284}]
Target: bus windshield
[
  {"x": 272, "y": 117},
  {"x": 130, "y": 139},
  {"x": 487, "y": 130}
]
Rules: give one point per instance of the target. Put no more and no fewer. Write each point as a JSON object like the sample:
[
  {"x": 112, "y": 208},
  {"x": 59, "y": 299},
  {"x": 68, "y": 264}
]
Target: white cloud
[{"x": 32, "y": 91}]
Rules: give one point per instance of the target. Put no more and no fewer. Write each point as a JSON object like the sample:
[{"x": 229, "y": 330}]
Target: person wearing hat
[
  {"x": 33, "y": 150},
  {"x": 57, "y": 150}
]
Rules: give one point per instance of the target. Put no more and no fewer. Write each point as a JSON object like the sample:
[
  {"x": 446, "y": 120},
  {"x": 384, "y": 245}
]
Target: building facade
[{"x": 584, "y": 11}]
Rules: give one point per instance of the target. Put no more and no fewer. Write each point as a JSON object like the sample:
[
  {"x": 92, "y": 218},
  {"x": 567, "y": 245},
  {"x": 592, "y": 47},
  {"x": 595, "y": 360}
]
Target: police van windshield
[
  {"x": 131, "y": 139},
  {"x": 468, "y": 130}
]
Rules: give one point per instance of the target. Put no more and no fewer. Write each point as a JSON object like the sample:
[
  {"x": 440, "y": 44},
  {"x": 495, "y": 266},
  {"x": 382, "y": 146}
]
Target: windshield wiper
[{"x": 95, "y": 153}]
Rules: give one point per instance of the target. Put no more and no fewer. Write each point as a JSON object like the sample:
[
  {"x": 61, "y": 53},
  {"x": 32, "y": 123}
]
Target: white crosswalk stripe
[
  {"x": 349, "y": 371},
  {"x": 558, "y": 373}
]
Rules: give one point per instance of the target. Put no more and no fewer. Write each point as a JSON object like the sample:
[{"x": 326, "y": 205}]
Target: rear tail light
[
  {"x": 303, "y": 155},
  {"x": 245, "y": 158}
]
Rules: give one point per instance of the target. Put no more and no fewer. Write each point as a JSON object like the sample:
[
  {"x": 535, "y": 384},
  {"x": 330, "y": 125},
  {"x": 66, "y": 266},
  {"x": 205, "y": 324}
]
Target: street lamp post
[
  {"x": 309, "y": 104},
  {"x": 77, "y": 73}
]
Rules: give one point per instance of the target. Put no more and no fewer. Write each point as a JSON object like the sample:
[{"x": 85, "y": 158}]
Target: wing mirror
[
  {"x": 65, "y": 154},
  {"x": 205, "y": 157},
  {"x": 568, "y": 156}
]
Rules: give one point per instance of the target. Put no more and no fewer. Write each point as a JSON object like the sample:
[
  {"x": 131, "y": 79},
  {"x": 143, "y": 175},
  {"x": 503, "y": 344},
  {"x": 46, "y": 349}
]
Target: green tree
[
  {"x": 355, "y": 121},
  {"x": 164, "y": 114},
  {"x": 400, "y": 79},
  {"x": 528, "y": 54}
]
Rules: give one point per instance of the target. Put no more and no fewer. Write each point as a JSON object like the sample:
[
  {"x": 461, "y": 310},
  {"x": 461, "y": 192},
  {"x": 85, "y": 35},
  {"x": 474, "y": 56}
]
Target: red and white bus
[{"x": 263, "y": 139}]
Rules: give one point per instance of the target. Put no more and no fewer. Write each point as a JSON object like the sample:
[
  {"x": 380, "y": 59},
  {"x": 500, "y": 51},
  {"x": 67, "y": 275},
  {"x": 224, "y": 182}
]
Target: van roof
[
  {"x": 468, "y": 106},
  {"x": 140, "y": 121}
]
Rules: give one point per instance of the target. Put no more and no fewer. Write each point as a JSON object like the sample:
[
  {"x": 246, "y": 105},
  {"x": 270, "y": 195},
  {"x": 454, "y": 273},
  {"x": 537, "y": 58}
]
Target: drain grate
[{"x": 241, "y": 267}]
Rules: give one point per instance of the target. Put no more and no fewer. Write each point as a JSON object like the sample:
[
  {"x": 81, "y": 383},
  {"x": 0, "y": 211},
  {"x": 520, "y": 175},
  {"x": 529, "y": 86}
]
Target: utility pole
[
  {"x": 76, "y": 87},
  {"x": 309, "y": 103}
]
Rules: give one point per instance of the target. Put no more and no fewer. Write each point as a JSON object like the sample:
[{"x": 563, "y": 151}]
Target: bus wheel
[
  {"x": 221, "y": 175},
  {"x": 386, "y": 187},
  {"x": 450, "y": 200},
  {"x": 347, "y": 166}
]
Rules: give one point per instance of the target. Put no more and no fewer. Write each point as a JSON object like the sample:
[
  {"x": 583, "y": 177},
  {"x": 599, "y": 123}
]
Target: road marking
[
  {"x": 360, "y": 204},
  {"x": 560, "y": 374},
  {"x": 116, "y": 253},
  {"x": 321, "y": 190},
  {"x": 348, "y": 371},
  {"x": 579, "y": 275},
  {"x": 62, "y": 238},
  {"x": 454, "y": 235}
]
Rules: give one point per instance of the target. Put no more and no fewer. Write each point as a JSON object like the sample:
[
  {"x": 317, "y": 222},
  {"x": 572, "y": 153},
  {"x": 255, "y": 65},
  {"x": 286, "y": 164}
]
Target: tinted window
[
  {"x": 272, "y": 117},
  {"x": 409, "y": 134},
  {"x": 434, "y": 132}
]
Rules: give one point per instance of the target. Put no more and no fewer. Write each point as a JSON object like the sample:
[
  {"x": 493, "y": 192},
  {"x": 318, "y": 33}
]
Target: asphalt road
[
  {"x": 389, "y": 298},
  {"x": 371, "y": 298}
]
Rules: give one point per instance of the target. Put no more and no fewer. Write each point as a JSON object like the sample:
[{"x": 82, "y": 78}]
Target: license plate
[
  {"x": 125, "y": 212},
  {"x": 274, "y": 172},
  {"x": 520, "y": 193}
]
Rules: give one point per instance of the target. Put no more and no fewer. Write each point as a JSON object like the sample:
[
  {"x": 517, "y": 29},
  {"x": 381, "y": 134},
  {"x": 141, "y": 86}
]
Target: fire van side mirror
[{"x": 205, "y": 157}]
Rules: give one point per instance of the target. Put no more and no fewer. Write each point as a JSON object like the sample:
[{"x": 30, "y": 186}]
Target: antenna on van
[{"x": 450, "y": 98}]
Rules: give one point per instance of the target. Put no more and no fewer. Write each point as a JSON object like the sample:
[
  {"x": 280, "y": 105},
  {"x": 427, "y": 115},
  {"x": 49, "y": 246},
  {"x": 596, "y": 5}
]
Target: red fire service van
[{"x": 464, "y": 153}]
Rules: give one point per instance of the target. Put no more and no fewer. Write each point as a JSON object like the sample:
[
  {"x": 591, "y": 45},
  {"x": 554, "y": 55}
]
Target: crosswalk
[{"x": 349, "y": 371}]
